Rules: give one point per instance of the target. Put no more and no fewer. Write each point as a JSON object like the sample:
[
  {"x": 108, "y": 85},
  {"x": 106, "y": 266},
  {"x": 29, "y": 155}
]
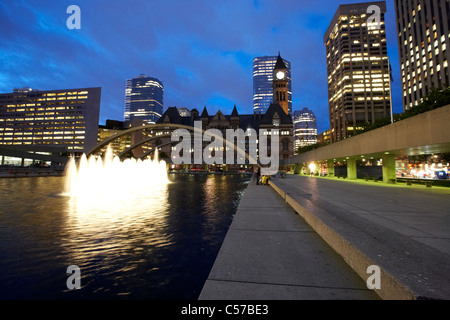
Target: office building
[
  {"x": 263, "y": 76},
  {"x": 143, "y": 100},
  {"x": 324, "y": 137},
  {"x": 423, "y": 38},
  {"x": 67, "y": 119},
  {"x": 305, "y": 128},
  {"x": 109, "y": 129},
  {"x": 357, "y": 67}
]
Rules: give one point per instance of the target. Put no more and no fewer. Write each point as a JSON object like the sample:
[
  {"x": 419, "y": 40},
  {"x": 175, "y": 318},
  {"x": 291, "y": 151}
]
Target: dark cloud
[{"x": 201, "y": 50}]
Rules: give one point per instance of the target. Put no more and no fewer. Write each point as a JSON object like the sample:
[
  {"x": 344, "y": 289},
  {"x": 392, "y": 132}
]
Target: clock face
[{"x": 280, "y": 75}]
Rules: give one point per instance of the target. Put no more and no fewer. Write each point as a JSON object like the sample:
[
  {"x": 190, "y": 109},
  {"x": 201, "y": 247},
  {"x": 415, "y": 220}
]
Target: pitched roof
[
  {"x": 219, "y": 116},
  {"x": 275, "y": 108},
  {"x": 204, "y": 113},
  {"x": 245, "y": 120},
  {"x": 172, "y": 114},
  {"x": 234, "y": 113},
  {"x": 280, "y": 63}
]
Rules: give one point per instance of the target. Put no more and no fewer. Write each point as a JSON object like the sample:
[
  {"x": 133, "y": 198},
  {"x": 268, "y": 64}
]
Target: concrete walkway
[
  {"x": 271, "y": 253},
  {"x": 405, "y": 230}
]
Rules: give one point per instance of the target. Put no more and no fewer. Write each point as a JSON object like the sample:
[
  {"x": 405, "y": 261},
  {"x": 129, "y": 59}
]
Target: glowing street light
[{"x": 312, "y": 167}]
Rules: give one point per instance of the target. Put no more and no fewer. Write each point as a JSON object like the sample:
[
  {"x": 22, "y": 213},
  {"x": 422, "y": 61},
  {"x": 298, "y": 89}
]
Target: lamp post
[{"x": 390, "y": 91}]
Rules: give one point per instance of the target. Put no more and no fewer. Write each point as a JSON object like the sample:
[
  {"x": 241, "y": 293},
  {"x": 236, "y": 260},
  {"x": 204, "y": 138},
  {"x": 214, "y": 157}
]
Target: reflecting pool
[{"x": 158, "y": 243}]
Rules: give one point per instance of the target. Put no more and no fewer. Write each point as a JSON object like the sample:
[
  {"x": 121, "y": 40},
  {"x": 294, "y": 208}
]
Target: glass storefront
[
  {"x": 424, "y": 167},
  {"x": 18, "y": 162}
]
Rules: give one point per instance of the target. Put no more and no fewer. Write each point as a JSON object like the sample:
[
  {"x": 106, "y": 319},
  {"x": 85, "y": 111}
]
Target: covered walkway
[{"x": 423, "y": 134}]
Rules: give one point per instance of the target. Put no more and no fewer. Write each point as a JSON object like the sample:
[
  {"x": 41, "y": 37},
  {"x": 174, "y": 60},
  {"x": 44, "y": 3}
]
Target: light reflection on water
[{"x": 155, "y": 245}]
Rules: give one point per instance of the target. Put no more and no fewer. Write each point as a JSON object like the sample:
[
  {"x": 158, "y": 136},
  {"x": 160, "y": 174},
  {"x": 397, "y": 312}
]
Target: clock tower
[{"x": 280, "y": 84}]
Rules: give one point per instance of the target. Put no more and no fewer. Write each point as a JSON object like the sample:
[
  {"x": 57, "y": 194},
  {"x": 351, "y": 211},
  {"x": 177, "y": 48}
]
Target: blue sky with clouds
[{"x": 202, "y": 50}]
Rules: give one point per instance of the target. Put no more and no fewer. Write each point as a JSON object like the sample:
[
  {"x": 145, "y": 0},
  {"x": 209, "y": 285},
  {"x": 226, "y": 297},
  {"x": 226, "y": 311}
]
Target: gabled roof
[
  {"x": 275, "y": 108},
  {"x": 172, "y": 115},
  {"x": 219, "y": 116}
]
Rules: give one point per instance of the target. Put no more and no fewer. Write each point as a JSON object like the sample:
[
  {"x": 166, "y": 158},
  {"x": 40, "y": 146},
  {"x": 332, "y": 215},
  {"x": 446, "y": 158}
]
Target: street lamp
[
  {"x": 312, "y": 168},
  {"x": 390, "y": 90}
]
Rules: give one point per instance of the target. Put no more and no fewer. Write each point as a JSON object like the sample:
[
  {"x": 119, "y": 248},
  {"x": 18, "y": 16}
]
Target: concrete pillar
[
  {"x": 307, "y": 171},
  {"x": 388, "y": 167},
  {"x": 330, "y": 168},
  {"x": 351, "y": 169},
  {"x": 300, "y": 168}
]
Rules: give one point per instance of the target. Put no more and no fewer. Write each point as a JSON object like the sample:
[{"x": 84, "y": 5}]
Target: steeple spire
[
  {"x": 204, "y": 113},
  {"x": 234, "y": 113},
  {"x": 280, "y": 63}
]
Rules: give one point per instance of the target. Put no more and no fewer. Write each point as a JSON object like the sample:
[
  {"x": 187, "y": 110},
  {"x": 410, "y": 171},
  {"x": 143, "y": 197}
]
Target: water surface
[{"x": 157, "y": 244}]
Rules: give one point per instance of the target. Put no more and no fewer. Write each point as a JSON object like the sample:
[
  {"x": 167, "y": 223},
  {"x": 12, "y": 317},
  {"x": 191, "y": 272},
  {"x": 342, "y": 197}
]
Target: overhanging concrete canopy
[
  {"x": 426, "y": 133},
  {"x": 30, "y": 152}
]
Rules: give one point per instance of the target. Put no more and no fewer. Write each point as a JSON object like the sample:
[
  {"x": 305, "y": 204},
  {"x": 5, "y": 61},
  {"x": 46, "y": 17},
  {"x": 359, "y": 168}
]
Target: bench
[
  {"x": 428, "y": 183},
  {"x": 393, "y": 181},
  {"x": 374, "y": 179}
]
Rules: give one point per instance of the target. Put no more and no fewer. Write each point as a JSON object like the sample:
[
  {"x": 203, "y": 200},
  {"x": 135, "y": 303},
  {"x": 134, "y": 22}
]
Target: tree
[{"x": 436, "y": 98}]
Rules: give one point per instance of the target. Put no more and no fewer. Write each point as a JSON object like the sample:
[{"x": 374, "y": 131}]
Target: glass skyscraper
[
  {"x": 143, "y": 99},
  {"x": 263, "y": 83},
  {"x": 305, "y": 128}
]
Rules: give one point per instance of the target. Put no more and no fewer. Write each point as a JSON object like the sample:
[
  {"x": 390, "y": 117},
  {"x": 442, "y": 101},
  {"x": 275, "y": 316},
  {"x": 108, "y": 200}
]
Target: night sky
[{"x": 202, "y": 50}]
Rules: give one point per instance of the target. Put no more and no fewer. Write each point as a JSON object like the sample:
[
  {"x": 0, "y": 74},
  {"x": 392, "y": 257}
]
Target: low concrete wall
[
  {"x": 405, "y": 269},
  {"x": 391, "y": 289},
  {"x": 425, "y": 133}
]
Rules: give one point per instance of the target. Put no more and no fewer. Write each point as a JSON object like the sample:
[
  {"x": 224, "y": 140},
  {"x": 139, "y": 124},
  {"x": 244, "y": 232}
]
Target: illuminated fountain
[{"x": 109, "y": 178}]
